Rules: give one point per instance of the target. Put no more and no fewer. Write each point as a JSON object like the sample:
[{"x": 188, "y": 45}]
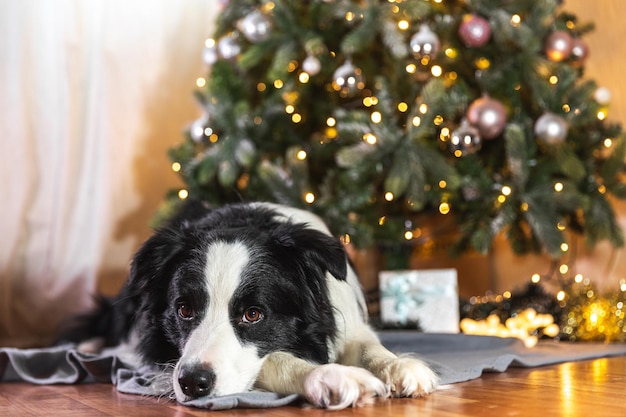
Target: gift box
[{"x": 428, "y": 297}]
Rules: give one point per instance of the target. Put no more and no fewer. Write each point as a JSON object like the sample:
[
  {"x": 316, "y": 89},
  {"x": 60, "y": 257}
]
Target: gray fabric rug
[{"x": 455, "y": 357}]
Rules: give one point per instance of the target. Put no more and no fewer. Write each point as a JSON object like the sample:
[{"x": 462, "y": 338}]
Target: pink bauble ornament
[
  {"x": 558, "y": 46},
  {"x": 474, "y": 31},
  {"x": 579, "y": 52},
  {"x": 488, "y": 116}
]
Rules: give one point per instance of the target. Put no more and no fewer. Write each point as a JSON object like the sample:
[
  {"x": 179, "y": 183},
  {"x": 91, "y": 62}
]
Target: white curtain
[{"x": 84, "y": 86}]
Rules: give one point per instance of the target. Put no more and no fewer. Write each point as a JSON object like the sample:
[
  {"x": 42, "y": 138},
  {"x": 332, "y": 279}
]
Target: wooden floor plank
[{"x": 589, "y": 388}]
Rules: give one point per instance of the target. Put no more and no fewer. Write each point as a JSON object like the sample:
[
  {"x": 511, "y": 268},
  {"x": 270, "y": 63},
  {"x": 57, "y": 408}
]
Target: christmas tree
[{"x": 384, "y": 115}]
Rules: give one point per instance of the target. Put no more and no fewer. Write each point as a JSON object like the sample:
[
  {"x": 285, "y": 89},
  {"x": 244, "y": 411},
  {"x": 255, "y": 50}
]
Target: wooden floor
[{"x": 595, "y": 388}]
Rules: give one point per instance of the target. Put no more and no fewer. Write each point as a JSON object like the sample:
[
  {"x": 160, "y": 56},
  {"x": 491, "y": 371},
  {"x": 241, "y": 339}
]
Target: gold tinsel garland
[{"x": 581, "y": 312}]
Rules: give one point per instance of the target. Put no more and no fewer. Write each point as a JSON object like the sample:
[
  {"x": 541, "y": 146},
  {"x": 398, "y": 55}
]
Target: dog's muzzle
[{"x": 196, "y": 380}]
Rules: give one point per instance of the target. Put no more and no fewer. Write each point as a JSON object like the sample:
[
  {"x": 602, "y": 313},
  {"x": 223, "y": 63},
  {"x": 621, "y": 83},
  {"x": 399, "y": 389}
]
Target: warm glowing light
[
  {"x": 183, "y": 194},
  {"x": 608, "y": 142},
  {"x": 408, "y": 235},
  {"x": 423, "y": 108},
  {"x": 578, "y": 278},
  {"x": 507, "y": 294},
  {"x": 176, "y": 166},
  {"x": 451, "y": 53},
  {"x": 200, "y": 82},
  {"x": 558, "y": 187},
  {"x": 506, "y": 190},
  {"x": 411, "y": 68},
  {"x": 444, "y": 208},
  {"x": 560, "y": 226},
  {"x": 403, "y": 25},
  {"x": 303, "y": 77},
  {"x": 443, "y": 184},
  {"x": 535, "y": 278},
  {"x": 376, "y": 117},
  {"x": 501, "y": 199},
  {"x": 258, "y": 120},
  {"x": 436, "y": 71},
  {"x": 566, "y": 108},
  {"x": 330, "y": 122},
  {"x": 564, "y": 247},
  {"x": 482, "y": 63},
  {"x": 278, "y": 84},
  {"x": 261, "y": 87},
  {"x": 553, "y": 80},
  {"x": 389, "y": 196},
  {"x": 301, "y": 155},
  {"x": 524, "y": 206},
  {"x": 291, "y": 67},
  {"x": 416, "y": 121},
  {"x": 213, "y": 138},
  {"x": 296, "y": 118},
  {"x": 516, "y": 20},
  {"x": 444, "y": 135},
  {"x": 381, "y": 220},
  {"x": 601, "y": 188},
  {"x": 601, "y": 115},
  {"x": 402, "y": 106},
  {"x": 350, "y": 16},
  {"x": 563, "y": 269},
  {"x": 438, "y": 120},
  {"x": 370, "y": 138},
  {"x": 309, "y": 198},
  {"x": 289, "y": 109},
  {"x": 345, "y": 239},
  {"x": 209, "y": 43}
]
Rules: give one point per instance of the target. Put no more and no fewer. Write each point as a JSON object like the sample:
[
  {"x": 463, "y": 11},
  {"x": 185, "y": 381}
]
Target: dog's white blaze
[{"x": 214, "y": 341}]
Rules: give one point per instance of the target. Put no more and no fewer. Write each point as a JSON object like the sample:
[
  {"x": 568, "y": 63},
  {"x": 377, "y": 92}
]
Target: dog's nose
[{"x": 196, "y": 381}]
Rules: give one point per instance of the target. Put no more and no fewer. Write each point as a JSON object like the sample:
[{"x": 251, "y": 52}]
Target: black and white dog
[{"x": 253, "y": 296}]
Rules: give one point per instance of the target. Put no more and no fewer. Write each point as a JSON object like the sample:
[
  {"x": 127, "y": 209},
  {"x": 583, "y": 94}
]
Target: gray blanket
[{"x": 455, "y": 357}]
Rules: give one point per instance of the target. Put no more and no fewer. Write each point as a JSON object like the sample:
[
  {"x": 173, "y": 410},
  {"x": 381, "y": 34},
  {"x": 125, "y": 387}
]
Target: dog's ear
[
  {"x": 322, "y": 250},
  {"x": 148, "y": 267}
]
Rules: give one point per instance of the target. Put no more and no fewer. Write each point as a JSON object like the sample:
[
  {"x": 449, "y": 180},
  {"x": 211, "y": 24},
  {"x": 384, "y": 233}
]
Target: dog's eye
[
  {"x": 185, "y": 311},
  {"x": 252, "y": 315}
]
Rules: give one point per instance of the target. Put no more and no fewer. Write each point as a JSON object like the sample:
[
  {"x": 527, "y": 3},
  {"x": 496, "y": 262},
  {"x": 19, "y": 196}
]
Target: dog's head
[{"x": 216, "y": 294}]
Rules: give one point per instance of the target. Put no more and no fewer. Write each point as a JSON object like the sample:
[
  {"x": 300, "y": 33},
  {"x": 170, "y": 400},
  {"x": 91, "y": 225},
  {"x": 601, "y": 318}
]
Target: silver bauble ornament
[
  {"x": 229, "y": 46},
  {"x": 551, "y": 129},
  {"x": 311, "y": 65},
  {"x": 210, "y": 53},
  {"x": 602, "y": 95},
  {"x": 198, "y": 129},
  {"x": 256, "y": 26},
  {"x": 488, "y": 116},
  {"x": 424, "y": 43},
  {"x": 465, "y": 139},
  {"x": 348, "y": 79},
  {"x": 558, "y": 46}
]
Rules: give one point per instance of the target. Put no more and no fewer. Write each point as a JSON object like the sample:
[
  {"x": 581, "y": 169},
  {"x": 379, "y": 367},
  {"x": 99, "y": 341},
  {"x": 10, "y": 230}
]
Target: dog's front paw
[
  {"x": 409, "y": 377},
  {"x": 335, "y": 386}
]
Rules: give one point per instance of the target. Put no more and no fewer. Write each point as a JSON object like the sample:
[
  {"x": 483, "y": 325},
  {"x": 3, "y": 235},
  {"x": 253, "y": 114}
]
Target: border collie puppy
[{"x": 252, "y": 296}]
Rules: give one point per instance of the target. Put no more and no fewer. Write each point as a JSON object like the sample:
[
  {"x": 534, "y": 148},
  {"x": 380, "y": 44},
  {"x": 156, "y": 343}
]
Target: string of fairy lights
[{"x": 598, "y": 317}]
